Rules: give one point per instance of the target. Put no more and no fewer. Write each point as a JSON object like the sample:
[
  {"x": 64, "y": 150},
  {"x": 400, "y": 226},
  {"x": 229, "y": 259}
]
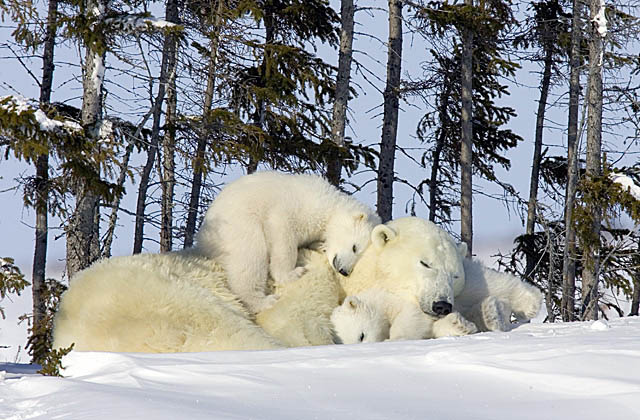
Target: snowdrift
[{"x": 588, "y": 370}]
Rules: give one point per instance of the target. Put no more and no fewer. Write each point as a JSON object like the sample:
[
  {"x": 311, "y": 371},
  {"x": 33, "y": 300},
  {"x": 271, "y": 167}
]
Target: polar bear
[
  {"x": 159, "y": 303},
  {"x": 375, "y": 315},
  {"x": 256, "y": 224},
  {"x": 420, "y": 263},
  {"x": 490, "y": 297},
  {"x": 413, "y": 259},
  {"x": 180, "y": 302},
  {"x": 301, "y": 316}
]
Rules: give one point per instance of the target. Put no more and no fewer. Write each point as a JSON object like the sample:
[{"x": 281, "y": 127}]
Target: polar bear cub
[
  {"x": 257, "y": 223},
  {"x": 376, "y": 315}
]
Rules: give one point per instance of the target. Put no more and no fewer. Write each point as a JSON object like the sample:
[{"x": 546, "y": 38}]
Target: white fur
[
  {"x": 175, "y": 302},
  {"x": 413, "y": 259},
  {"x": 376, "y": 315},
  {"x": 300, "y": 317},
  {"x": 257, "y": 223},
  {"x": 490, "y": 297}
]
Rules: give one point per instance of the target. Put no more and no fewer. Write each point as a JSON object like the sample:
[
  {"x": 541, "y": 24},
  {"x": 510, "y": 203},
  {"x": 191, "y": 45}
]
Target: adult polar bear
[
  {"x": 256, "y": 224},
  {"x": 431, "y": 279}
]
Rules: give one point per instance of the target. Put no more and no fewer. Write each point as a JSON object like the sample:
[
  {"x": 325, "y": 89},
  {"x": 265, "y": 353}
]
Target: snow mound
[{"x": 537, "y": 371}]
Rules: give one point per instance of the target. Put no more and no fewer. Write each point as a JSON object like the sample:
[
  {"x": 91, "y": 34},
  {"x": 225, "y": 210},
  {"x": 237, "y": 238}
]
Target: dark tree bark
[
  {"x": 466, "y": 144},
  {"x": 537, "y": 156},
  {"x": 443, "y": 113},
  {"x": 168, "y": 56},
  {"x": 38, "y": 285},
  {"x": 198, "y": 162},
  {"x": 391, "y": 97},
  {"x": 591, "y": 258},
  {"x": 334, "y": 166},
  {"x": 569, "y": 256}
]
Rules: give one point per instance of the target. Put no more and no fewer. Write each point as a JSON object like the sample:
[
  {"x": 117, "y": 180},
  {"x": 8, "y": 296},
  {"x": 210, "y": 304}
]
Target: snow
[
  {"x": 131, "y": 24},
  {"x": 19, "y": 104},
  {"x": 537, "y": 371},
  {"x": 627, "y": 183},
  {"x": 600, "y": 20}
]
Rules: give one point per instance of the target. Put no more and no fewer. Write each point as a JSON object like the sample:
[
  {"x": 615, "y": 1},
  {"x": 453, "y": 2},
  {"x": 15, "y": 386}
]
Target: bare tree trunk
[
  {"x": 168, "y": 181},
  {"x": 591, "y": 258},
  {"x": 169, "y": 52},
  {"x": 391, "y": 97},
  {"x": 38, "y": 285},
  {"x": 537, "y": 156},
  {"x": 260, "y": 116},
  {"x": 82, "y": 238},
  {"x": 113, "y": 218},
  {"x": 569, "y": 256},
  {"x": 198, "y": 162},
  {"x": 443, "y": 115},
  {"x": 334, "y": 167},
  {"x": 466, "y": 144}
]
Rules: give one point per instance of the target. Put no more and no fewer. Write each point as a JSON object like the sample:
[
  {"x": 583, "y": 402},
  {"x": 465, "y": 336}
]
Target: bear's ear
[
  {"x": 462, "y": 249},
  {"x": 351, "y": 302},
  {"x": 360, "y": 217},
  {"x": 382, "y": 234}
]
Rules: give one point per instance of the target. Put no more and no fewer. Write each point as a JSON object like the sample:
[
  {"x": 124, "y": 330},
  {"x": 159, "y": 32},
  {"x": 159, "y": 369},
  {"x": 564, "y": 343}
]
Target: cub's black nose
[
  {"x": 442, "y": 308},
  {"x": 343, "y": 272}
]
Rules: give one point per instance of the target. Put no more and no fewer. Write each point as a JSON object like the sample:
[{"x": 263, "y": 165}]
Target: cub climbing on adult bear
[{"x": 257, "y": 223}]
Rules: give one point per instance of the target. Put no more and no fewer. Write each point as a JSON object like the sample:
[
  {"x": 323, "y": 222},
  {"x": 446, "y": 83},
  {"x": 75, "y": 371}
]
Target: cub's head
[
  {"x": 420, "y": 261},
  {"x": 347, "y": 236},
  {"x": 356, "y": 321}
]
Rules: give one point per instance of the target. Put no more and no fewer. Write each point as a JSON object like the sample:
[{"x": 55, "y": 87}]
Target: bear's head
[
  {"x": 347, "y": 236},
  {"x": 420, "y": 261},
  {"x": 356, "y": 321}
]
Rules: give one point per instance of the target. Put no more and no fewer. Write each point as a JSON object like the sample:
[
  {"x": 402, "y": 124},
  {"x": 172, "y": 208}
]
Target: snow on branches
[{"x": 27, "y": 109}]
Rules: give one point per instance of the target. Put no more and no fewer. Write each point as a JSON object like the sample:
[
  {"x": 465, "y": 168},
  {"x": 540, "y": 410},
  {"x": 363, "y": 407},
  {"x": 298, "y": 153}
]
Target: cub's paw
[
  {"x": 292, "y": 275},
  {"x": 264, "y": 303}
]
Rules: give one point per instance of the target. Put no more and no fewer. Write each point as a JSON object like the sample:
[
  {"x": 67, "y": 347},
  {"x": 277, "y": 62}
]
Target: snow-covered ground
[{"x": 538, "y": 371}]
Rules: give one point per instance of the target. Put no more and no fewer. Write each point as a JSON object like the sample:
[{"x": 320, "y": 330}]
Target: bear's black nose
[
  {"x": 442, "y": 308},
  {"x": 343, "y": 272}
]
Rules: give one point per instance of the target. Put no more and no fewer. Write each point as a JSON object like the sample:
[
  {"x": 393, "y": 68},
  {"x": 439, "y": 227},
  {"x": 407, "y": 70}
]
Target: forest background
[{"x": 136, "y": 105}]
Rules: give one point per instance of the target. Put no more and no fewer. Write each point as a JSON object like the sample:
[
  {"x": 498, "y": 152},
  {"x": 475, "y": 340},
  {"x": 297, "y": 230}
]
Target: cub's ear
[
  {"x": 351, "y": 302},
  {"x": 382, "y": 234},
  {"x": 359, "y": 217},
  {"x": 462, "y": 249}
]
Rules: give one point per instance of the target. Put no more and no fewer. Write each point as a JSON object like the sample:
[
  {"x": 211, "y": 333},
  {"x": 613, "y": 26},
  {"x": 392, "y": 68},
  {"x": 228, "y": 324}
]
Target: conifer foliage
[{"x": 161, "y": 103}]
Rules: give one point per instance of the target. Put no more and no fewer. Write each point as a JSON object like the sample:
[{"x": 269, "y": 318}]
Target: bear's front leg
[
  {"x": 411, "y": 324},
  {"x": 283, "y": 254},
  {"x": 454, "y": 325}
]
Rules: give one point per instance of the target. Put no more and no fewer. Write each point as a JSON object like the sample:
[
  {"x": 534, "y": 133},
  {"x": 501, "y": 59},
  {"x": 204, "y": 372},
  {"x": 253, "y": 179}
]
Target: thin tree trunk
[
  {"x": 334, "y": 166},
  {"x": 569, "y": 256},
  {"x": 169, "y": 51},
  {"x": 82, "y": 233},
  {"x": 260, "y": 116},
  {"x": 391, "y": 97},
  {"x": 38, "y": 284},
  {"x": 466, "y": 144},
  {"x": 591, "y": 258},
  {"x": 113, "y": 218},
  {"x": 168, "y": 181},
  {"x": 443, "y": 115},
  {"x": 537, "y": 156},
  {"x": 635, "y": 297},
  {"x": 198, "y": 162}
]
